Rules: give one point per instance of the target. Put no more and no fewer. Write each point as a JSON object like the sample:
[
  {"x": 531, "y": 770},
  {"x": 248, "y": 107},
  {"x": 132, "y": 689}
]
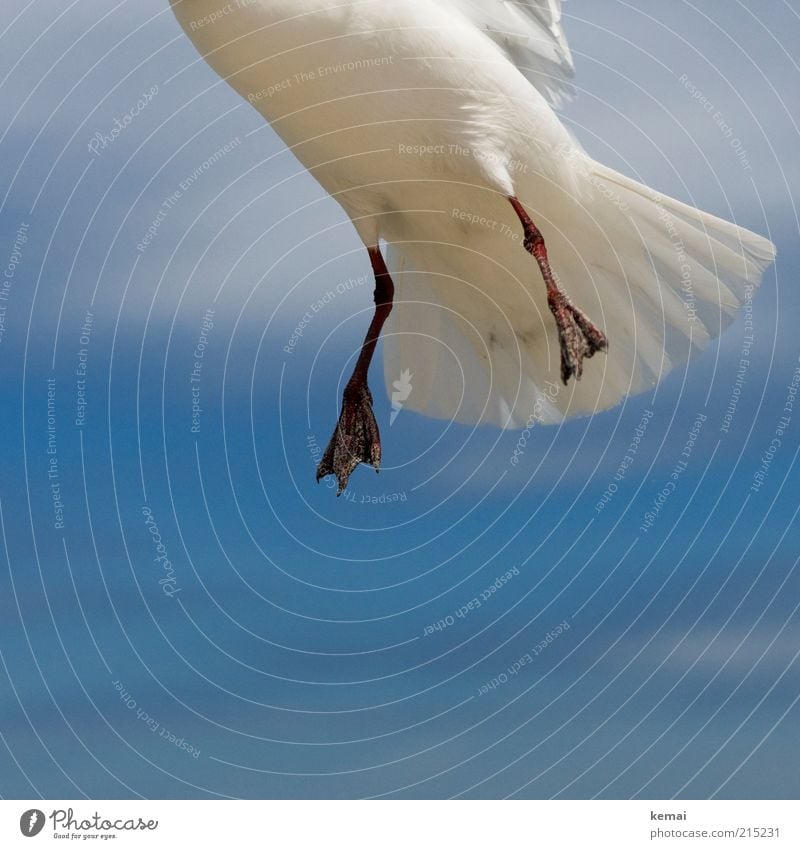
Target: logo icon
[
  {"x": 31, "y": 822},
  {"x": 402, "y": 390}
]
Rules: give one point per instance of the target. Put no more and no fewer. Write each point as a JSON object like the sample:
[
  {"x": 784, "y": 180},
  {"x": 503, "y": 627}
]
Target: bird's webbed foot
[
  {"x": 356, "y": 438},
  {"x": 579, "y": 338}
]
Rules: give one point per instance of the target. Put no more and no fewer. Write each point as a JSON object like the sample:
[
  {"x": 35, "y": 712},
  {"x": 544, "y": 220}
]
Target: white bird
[{"x": 432, "y": 123}]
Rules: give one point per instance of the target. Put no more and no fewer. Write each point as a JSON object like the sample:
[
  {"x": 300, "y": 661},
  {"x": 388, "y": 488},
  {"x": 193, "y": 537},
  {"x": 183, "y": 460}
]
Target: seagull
[{"x": 505, "y": 257}]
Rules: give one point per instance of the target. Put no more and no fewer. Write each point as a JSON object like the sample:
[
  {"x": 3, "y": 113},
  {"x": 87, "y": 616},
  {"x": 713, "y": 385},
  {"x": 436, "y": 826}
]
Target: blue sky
[{"x": 293, "y": 653}]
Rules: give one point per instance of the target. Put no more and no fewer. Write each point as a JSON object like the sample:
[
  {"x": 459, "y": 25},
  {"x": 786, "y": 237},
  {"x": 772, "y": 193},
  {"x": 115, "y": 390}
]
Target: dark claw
[
  {"x": 356, "y": 438},
  {"x": 578, "y": 337}
]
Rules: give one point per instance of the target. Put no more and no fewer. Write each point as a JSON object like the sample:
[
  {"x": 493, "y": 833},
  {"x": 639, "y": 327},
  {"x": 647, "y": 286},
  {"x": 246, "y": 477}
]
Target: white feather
[
  {"x": 414, "y": 118},
  {"x": 530, "y": 33}
]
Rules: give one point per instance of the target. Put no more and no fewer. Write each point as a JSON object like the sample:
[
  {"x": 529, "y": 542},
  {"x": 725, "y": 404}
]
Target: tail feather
[{"x": 658, "y": 276}]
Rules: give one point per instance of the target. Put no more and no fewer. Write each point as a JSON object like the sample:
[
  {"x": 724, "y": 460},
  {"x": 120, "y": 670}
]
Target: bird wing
[{"x": 530, "y": 33}]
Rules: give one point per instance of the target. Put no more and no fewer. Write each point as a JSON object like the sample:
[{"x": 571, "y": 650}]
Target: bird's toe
[
  {"x": 356, "y": 438},
  {"x": 578, "y": 336}
]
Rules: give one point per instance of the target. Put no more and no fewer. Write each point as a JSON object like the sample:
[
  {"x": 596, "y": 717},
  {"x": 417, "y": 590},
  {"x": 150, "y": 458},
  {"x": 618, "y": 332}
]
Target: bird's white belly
[{"x": 376, "y": 101}]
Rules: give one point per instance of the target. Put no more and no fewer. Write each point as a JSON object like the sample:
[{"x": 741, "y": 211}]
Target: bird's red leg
[
  {"x": 578, "y": 336},
  {"x": 356, "y": 438}
]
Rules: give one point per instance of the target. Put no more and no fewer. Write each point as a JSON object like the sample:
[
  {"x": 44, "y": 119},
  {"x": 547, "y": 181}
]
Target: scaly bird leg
[
  {"x": 577, "y": 335},
  {"x": 356, "y": 438}
]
